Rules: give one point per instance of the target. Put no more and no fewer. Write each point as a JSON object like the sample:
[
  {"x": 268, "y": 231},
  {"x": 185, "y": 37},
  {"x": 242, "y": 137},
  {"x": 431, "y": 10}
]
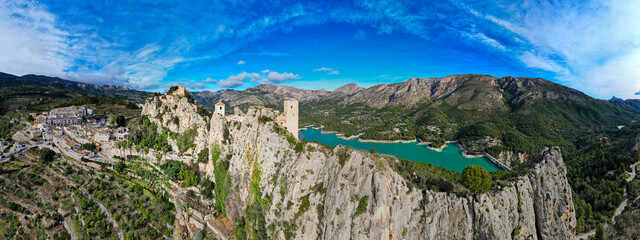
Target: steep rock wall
[
  {"x": 536, "y": 206},
  {"x": 316, "y": 193}
]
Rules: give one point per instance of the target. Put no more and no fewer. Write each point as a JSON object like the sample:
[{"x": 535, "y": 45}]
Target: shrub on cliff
[{"x": 476, "y": 179}]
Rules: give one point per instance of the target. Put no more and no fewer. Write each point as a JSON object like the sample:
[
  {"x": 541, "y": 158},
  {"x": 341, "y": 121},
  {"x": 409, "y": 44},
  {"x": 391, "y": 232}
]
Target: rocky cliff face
[
  {"x": 322, "y": 193},
  {"x": 177, "y": 113},
  {"x": 510, "y": 159}
]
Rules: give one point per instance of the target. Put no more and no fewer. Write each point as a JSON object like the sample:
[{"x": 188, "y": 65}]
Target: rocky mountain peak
[{"x": 350, "y": 88}]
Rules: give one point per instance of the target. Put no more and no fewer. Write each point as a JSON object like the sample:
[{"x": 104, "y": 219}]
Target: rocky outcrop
[
  {"x": 510, "y": 159},
  {"x": 322, "y": 193},
  {"x": 176, "y": 112},
  {"x": 553, "y": 204}
]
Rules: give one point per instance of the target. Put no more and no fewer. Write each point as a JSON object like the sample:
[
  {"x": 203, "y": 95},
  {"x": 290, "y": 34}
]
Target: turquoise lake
[{"x": 450, "y": 158}]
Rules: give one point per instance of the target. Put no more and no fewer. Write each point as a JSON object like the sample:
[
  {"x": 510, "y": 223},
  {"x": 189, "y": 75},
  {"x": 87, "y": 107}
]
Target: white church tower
[{"x": 220, "y": 108}]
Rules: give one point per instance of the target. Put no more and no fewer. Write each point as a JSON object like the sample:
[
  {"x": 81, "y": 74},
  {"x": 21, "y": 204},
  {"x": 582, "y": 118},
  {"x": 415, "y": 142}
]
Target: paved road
[
  {"x": 619, "y": 209},
  {"x": 633, "y": 174},
  {"x": 13, "y": 153}
]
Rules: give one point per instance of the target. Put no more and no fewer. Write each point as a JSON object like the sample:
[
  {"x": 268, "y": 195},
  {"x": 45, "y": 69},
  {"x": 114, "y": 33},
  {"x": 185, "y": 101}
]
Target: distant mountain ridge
[
  {"x": 629, "y": 104},
  {"x": 470, "y": 90},
  {"x": 4, "y": 77},
  {"x": 36, "y": 92}
]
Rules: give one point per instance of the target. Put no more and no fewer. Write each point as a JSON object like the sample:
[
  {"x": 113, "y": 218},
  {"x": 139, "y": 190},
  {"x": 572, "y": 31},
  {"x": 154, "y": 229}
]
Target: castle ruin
[{"x": 289, "y": 117}]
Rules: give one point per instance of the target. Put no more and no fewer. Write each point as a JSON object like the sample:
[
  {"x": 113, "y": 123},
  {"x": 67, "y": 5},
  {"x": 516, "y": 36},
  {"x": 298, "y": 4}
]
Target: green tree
[
  {"x": 438, "y": 142},
  {"x": 119, "y": 120},
  {"x": 203, "y": 156},
  {"x": 206, "y": 188},
  {"x": 599, "y": 232},
  {"x": 476, "y": 179},
  {"x": 46, "y": 154},
  {"x": 119, "y": 167},
  {"x": 190, "y": 178},
  {"x": 89, "y": 146}
]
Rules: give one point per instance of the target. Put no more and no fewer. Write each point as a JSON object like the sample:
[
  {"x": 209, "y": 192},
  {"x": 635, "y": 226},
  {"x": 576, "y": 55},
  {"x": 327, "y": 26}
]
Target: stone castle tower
[
  {"x": 289, "y": 118},
  {"x": 220, "y": 108}
]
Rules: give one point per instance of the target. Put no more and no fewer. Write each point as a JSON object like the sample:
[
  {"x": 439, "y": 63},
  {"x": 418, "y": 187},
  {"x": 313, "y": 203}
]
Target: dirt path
[{"x": 69, "y": 226}]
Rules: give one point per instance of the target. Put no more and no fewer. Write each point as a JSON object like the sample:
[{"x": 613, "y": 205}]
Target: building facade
[
  {"x": 220, "y": 108},
  {"x": 289, "y": 117}
]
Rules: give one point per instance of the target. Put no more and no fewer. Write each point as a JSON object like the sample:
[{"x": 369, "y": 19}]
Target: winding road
[{"x": 619, "y": 209}]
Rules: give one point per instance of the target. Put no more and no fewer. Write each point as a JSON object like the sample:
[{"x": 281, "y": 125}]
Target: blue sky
[{"x": 593, "y": 46}]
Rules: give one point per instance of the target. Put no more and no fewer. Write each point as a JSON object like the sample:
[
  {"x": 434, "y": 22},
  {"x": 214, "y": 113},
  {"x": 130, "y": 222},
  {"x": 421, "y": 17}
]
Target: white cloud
[
  {"x": 238, "y": 79},
  {"x": 329, "y": 71},
  {"x": 619, "y": 76},
  {"x": 31, "y": 41},
  {"x": 481, "y": 37},
  {"x": 540, "y": 62},
  {"x": 264, "y": 77},
  {"x": 241, "y": 62},
  {"x": 592, "y": 46},
  {"x": 274, "y": 77}
]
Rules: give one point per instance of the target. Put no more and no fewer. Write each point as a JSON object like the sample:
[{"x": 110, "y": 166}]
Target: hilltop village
[{"x": 76, "y": 132}]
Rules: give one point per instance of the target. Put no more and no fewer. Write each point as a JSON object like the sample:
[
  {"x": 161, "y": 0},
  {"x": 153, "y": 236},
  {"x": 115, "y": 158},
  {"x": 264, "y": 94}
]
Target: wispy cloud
[
  {"x": 590, "y": 45},
  {"x": 31, "y": 41},
  {"x": 241, "y": 62},
  {"x": 329, "y": 71}
]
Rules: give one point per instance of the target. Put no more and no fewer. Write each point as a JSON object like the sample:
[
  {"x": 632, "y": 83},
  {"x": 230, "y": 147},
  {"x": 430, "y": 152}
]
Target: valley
[{"x": 173, "y": 169}]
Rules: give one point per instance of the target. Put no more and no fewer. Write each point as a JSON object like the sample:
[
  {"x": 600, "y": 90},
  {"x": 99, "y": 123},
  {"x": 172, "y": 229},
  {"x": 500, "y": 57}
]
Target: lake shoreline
[
  {"x": 436, "y": 149},
  {"x": 449, "y": 156},
  {"x": 385, "y": 141}
]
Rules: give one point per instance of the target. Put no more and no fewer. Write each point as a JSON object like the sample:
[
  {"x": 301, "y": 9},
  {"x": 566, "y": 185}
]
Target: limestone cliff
[
  {"x": 510, "y": 159},
  {"x": 322, "y": 193},
  {"x": 176, "y": 112}
]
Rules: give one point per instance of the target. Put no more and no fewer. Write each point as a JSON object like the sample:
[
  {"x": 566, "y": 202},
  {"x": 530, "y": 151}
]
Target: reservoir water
[{"x": 450, "y": 158}]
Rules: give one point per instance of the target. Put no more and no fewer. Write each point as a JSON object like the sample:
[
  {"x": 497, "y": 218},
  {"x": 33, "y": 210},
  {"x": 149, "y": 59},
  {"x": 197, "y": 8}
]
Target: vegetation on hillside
[{"x": 145, "y": 136}]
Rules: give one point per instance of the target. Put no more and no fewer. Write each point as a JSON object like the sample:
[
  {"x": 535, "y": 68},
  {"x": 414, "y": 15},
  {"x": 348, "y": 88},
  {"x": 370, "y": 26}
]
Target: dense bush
[
  {"x": 362, "y": 205},
  {"x": 119, "y": 167},
  {"x": 206, "y": 188},
  {"x": 89, "y": 146},
  {"x": 6, "y": 130},
  {"x": 436, "y": 143},
  {"x": 119, "y": 121},
  {"x": 46, "y": 154},
  {"x": 264, "y": 119},
  {"x": 476, "y": 179},
  {"x": 186, "y": 139},
  {"x": 145, "y": 136},
  {"x": 172, "y": 168},
  {"x": 203, "y": 155}
]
